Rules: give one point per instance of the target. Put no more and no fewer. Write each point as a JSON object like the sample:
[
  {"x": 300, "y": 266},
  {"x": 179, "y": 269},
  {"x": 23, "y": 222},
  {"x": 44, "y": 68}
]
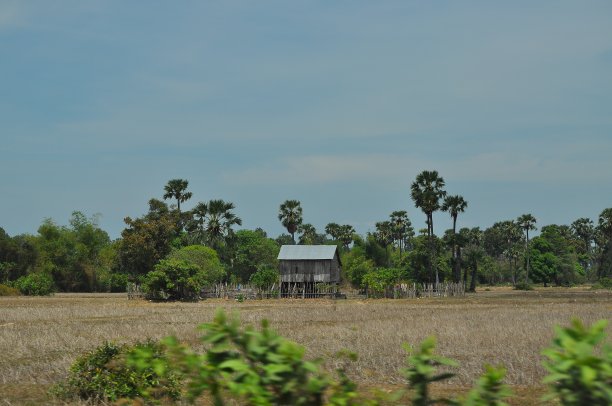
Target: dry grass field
[{"x": 41, "y": 337}]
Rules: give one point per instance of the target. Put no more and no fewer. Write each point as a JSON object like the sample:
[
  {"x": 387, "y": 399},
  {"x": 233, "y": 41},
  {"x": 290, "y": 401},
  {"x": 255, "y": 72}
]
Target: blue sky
[{"x": 337, "y": 104}]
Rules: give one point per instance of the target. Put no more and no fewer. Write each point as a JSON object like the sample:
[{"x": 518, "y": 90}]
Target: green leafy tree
[
  {"x": 284, "y": 239},
  {"x": 290, "y": 216},
  {"x": 35, "y": 284},
  {"x": 426, "y": 192},
  {"x": 455, "y": 205},
  {"x": 527, "y": 223},
  {"x": 146, "y": 240},
  {"x": 356, "y": 265},
  {"x": 174, "y": 279},
  {"x": 554, "y": 257},
  {"x": 379, "y": 279},
  {"x": 265, "y": 278},
  {"x": 205, "y": 258},
  {"x": 253, "y": 251}
]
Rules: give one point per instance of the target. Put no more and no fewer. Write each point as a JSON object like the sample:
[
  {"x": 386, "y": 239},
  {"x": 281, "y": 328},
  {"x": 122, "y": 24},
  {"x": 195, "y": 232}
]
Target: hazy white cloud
[
  {"x": 11, "y": 14},
  {"x": 368, "y": 168}
]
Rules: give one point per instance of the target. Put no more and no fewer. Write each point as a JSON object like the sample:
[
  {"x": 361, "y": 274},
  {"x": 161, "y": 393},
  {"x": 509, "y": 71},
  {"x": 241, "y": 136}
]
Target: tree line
[{"x": 203, "y": 243}]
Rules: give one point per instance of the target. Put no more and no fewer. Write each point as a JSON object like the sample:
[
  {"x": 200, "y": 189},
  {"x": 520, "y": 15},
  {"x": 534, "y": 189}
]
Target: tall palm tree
[
  {"x": 401, "y": 227},
  {"x": 527, "y": 222},
  {"x": 309, "y": 234},
  {"x": 384, "y": 235},
  {"x": 212, "y": 222},
  {"x": 176, "y": 189},
  {"x": 345, "y": 234},
  {"x": 290, "y": 215},
  {"x": 604, "y": 241},
  {"x": 426, "y": 192},
  {"x": 333, "y": 229},
  {"x": 474, "y": 254},
  {"x": 455, "y": 205},
  {"x": 219, "y": 221}
]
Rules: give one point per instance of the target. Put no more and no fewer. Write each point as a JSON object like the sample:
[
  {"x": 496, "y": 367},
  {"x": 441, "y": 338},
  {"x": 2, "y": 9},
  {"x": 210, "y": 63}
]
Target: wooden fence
[
  {"x": 319, "y": 290},
  {"x": 412, "y": 290}
]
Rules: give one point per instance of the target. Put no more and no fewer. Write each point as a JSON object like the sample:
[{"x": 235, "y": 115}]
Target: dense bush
[
  {"x": 104, "y": 375},
  {"x": 174, "y": 279},
  {"x": 264, "y": 278},
  {"x": 204, "y": 258},
  {"x": 8, "y": 291},
  {"x": 603, "y": 283},
  {"x": 35, "y": 284},
  {"x": 522, "y": 286}
]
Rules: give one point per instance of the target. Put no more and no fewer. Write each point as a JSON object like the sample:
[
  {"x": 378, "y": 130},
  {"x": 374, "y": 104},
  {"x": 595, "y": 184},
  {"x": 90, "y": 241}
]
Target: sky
[{"x": 338, "y": 104}]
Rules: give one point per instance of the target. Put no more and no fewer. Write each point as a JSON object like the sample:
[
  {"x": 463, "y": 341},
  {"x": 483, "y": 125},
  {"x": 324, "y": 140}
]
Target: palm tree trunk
[
  {"x": 527, "y": 255},
  {"x": 456, "y": 269},
  {"x": 431, "y": 250},
  {"x": 474, "y": 273}
]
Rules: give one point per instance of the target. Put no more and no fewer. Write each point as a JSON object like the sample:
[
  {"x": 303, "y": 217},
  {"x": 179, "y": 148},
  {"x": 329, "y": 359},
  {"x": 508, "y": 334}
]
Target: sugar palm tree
[
  {"x": 526, "y": 222},
  {"x": 290, "y": 215},
  {"x": 426, "y": 192},
  {"x": 176, "y": 189},
  {"x": 333, "y": 229},
  {"x": 401, "y": 228},
  {"x": 219, "y": 221},
  {"x": 474, "y": 253},
  {"x": 455, "y": 205},
  {"x": 345, "y": 234},
  {"x": 309, "y": 234},
  {"x": 604, "y": 241},
  {"x": 384, "y": 236}
]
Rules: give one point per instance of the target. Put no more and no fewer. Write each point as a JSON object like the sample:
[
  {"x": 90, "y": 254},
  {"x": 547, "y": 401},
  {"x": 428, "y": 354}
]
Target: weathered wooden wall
[{"x": 324, "y": 270}]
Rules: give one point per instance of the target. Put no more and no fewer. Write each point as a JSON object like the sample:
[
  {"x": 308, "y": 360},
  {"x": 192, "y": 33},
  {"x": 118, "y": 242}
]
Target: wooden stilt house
[{"x": 309, "y": 270}]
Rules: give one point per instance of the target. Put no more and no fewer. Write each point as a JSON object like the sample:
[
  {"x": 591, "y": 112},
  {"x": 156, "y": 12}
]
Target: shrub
[
  {"x": 264, "y": 278},
  {"x": 603, "y": 283},
  {"x": 8, "y": 291},
  {"x": 35, "y": 284},
  {"x": 578, "y": 375},
  {"x": 103, "y": 374},
  {"x": 204, "y": 258},
  {"x": 174, "y": 280},
  {"x": 522, "y": 286}
]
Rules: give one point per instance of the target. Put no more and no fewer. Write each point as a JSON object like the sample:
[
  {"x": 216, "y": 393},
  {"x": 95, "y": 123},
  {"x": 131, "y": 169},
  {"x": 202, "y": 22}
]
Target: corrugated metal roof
[{"x": 307, "y": 252}]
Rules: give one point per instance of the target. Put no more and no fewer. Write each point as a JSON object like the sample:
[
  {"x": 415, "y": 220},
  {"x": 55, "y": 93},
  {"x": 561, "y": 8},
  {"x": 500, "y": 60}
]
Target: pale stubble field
[{"x": 41, "y": 337}]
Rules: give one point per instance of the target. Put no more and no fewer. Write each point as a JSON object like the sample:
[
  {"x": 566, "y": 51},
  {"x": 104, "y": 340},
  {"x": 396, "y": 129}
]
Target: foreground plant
[
  {"x": 104, "y": 375},
  {"x": 579, "y": 375},
  {"x": 422, "y": 371},
  {"x": 489, "y": 390},
  {"x": 258, "y": 367}
]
